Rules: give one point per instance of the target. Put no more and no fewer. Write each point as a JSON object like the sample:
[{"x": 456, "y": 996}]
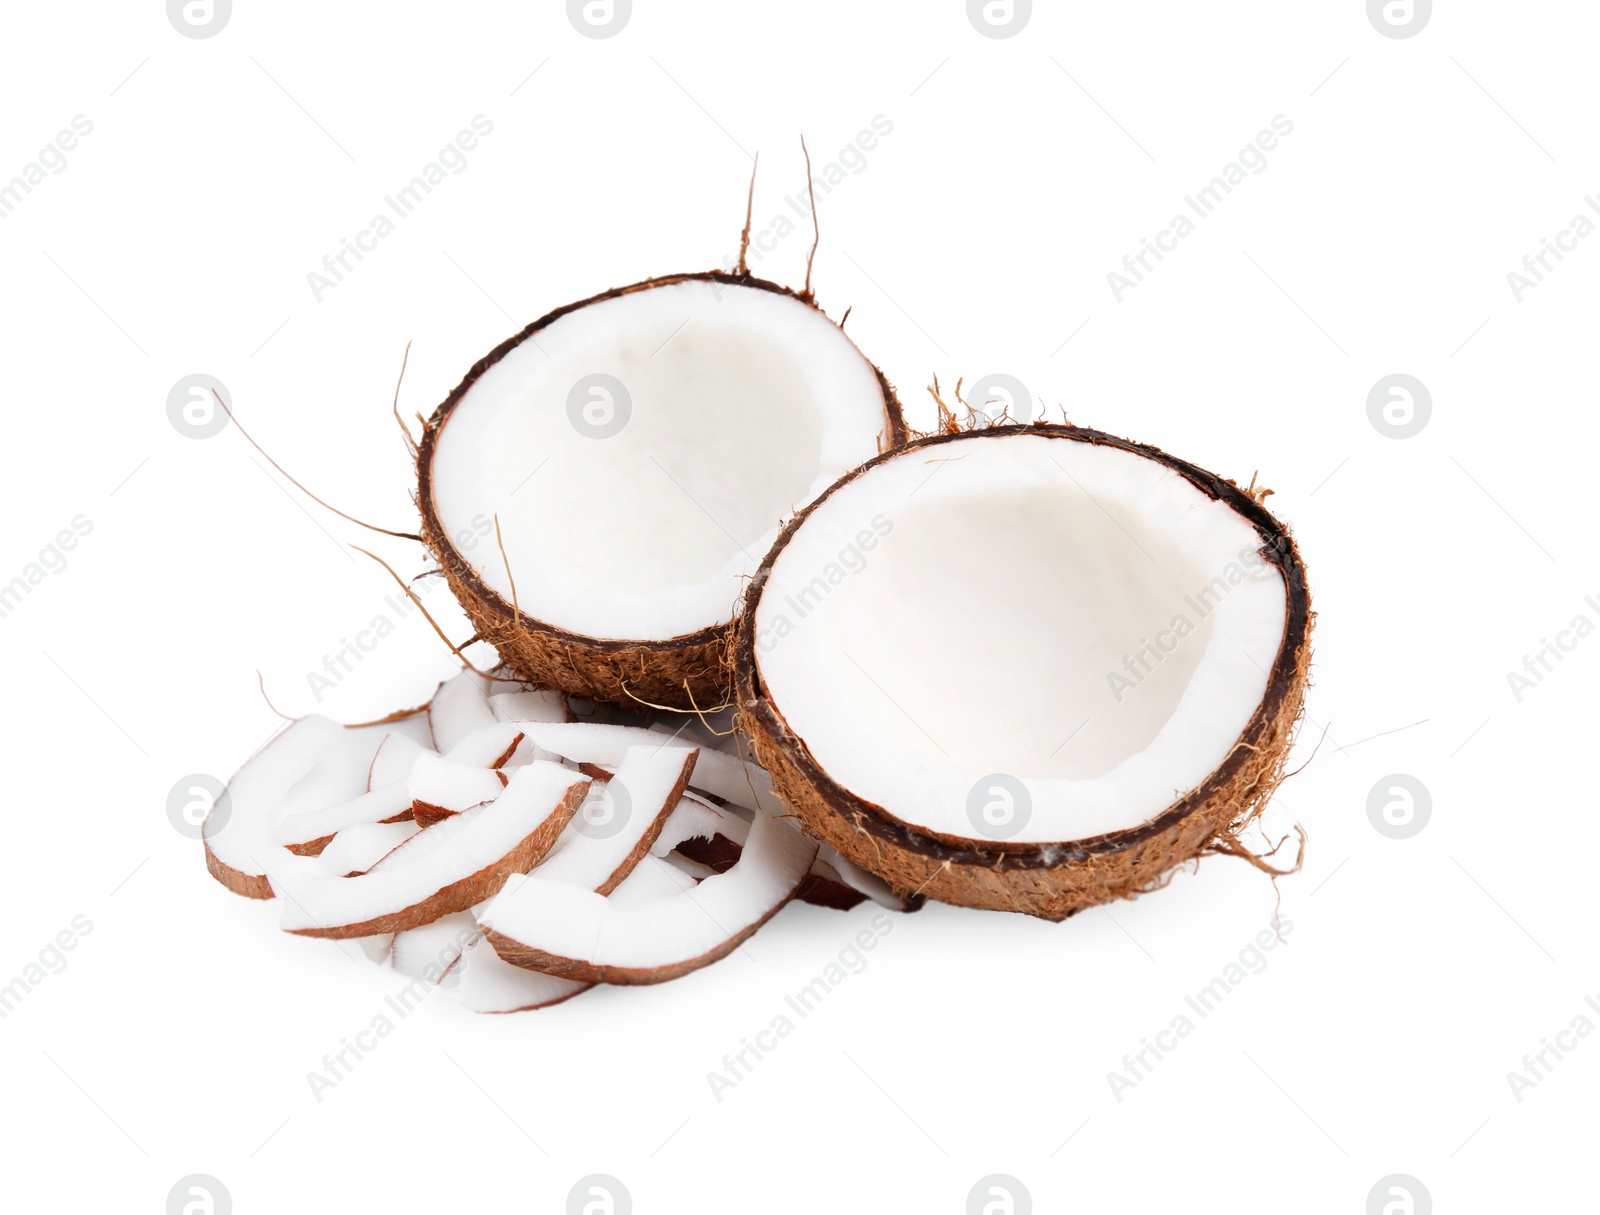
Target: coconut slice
[
  {"x": 431, "y": 951},
  {"x": 620, "y": 819},
  {"x": 529, "y": 706},
  {"x": 1134, "y": 707},
  {"x": 716, "y": 850},
  {"x": 488, "y": 746},
  {"x": 577, "y": 934},
  {"x": 440, "y": 787},
  {"x": 865, "y": 884},
  {"x": 308, "y": 832},
  {"x": 687, "y": 414},
  {"x": 490, "y": 984},
  {"x": 357, "y": 849},
  {"x": 311, "y": 764},
  {"x": 460, "y": 706},
  {"x": 376, "y": 948},
  {"x": 449, "y": 867},
  {"x": 393, "y": 760},
  {"x": 693, "y": 818},
  {"x": 724, "y": 776}
]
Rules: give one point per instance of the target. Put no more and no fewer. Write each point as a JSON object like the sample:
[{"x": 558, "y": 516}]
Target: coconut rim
[
  {"x": 1277, "y": 547},
  {"x": 895, "y": 435}
]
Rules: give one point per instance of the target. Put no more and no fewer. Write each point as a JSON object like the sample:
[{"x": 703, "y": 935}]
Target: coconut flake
[
  {"x": 449, "y": 867},
  {"x": 721, "y": 775},
  {"x": 621, "y": 819},
  {"x": 490, "y": 984},
  {"x": 395, "y": 756},
  {"x": 357, "y": 849},
  {"x": 578, "y": 934},
  {"x": 440, "y": 787},
  {"x": 460, "y": 706},
  {"x": 431, "y": 951},
  {"x": 528, "y": 706}
]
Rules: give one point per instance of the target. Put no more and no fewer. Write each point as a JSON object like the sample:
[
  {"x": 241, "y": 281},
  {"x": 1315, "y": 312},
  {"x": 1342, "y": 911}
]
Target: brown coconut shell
[
  {"x": 1050, "y": 880},
  {"x": 678, "y": 671}
]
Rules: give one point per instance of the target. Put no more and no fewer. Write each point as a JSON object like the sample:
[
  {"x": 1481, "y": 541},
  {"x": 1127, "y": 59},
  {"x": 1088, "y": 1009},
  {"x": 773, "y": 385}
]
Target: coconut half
[
  {"x": 638, "y": 450},
  {"x": 1026, "y": 668}
]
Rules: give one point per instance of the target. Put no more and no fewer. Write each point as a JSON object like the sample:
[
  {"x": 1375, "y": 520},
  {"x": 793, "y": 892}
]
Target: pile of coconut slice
[{"x": 497, "y": 843}]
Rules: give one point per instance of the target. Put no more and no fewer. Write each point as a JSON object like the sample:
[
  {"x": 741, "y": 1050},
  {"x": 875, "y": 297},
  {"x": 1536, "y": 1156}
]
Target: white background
[{"x": 977, "y": 239}]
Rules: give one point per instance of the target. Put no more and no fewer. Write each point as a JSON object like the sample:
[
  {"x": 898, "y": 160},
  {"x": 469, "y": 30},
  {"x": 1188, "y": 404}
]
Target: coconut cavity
[
  {"x": 639, "y": 451},
  {"x": 992, "y": 662}
]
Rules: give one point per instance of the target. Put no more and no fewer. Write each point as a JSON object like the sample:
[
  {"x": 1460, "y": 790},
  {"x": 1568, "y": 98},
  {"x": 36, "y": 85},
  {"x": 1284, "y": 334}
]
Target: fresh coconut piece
[
  {"x": 440, "y": 787},
  {"x": 722, "y": 775},
  {"x": 487, "y": 746},
  {"x": 864, "y": 884},
  {"x": 693, "y": 818},
  {"x": 376, "y": 948},
  {"x": 688, "y": 414},
  {"x": 1131, "y": 710},
  {"x": 460, "y": 706},
  {"x": 431, "y": 951},
  {"x": 308, "y": 832},
  {"x": 449, "y": 867},
  {"x": 357, "y": 849},
  {"x": 490, "y": 984},
  {"x": 620, "y": 819},
  {"x": 311, "y": 764},
  {"x": 578, "y": 934},
  {"x": 716, "y": 849},
  {"x": 529, "y": 706},
  {"x": 393, "y": 760}
]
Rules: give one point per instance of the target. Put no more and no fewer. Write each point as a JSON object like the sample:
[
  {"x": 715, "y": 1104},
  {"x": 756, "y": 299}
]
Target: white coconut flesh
[
  {"x": 620, "y": 819},
  {"x": 847, "y": 873},
  {"x": 581, "y": 934},
  {"x": 447, "y": 787},
  {"x": 448, "y": 867},
  {"x": 430, "y": 951},
  {"x": 490, "y": 984},
  {"x": 716, "y": 772},
  {"x": 413, "y": 891},
  {"x": 1076, "y": 618},
  {"x": 460, "y": 706},
  {"x": 306, "y": 830},
  {"x": 528, "y": 706},
  {"x": 722, "y": 410},
  {"x": 310, "y": 764},
  {"x": 395, "y": 755},
  {"x": 357, "y": 849}
]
